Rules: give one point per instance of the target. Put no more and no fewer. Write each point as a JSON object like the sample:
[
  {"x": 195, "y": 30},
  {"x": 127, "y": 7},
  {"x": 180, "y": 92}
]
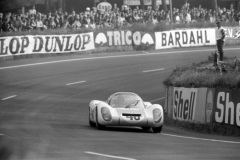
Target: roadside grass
[{"x": 204, "y": 74}]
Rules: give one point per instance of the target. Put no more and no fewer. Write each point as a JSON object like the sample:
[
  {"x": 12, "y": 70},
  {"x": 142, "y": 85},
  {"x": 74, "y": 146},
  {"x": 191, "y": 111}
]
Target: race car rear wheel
[
  {"x": 98, "y": 126},
  {"x": 91, "y": 123},
  {"x": 157, "y": 129},
  {"x": 146, "y": 128}
]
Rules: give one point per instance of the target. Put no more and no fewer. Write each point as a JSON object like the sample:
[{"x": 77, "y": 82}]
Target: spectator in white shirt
[{"x": 33, "y": 11}]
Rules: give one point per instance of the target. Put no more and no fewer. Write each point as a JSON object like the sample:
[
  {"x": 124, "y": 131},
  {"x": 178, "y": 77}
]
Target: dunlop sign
[
  {"x": 20, "y": 45},
  {"x": 184, "y": 103}
]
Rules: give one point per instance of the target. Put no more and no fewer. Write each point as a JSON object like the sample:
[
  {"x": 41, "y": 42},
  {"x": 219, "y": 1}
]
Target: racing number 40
[{"x": 137, "y": 118}]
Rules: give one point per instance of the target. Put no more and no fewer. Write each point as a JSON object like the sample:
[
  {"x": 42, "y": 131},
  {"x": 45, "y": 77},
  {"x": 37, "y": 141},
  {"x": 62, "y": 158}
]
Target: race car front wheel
[
  {"x": 157, "y": 129},
  {"x": 91, "y": 123},
  {"x": 98, "y": 126}
]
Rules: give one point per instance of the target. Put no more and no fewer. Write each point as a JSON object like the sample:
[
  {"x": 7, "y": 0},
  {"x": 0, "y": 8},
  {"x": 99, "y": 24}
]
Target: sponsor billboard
[
  {"x": 146, "y": 2},
  {"x": 123, "y": 38},
  {"x": 185, "y": 38},
  {"x": 209, "y": 105},
  {"x": 184, "y": 103},
  {"x": 104, "y": 7},
  {"x": 33, "y": 44},
  {"x": 232, "y": 32},
  {"x": 226, "y": 107}
]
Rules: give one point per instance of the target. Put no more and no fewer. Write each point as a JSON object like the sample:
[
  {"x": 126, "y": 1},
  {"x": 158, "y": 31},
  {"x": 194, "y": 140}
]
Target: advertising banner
[
  {"x": 185, "y": 38},
  {"x": 209, "y": 105},
  {"x": 36, "y": 44},
  {"x": 200, "y": 110},
  {"x": 232, "y": 32},
  {"x": 226, "y": 107},
  {"x": 104, "y": 7},
  {"x": 184, "y": 103},
  {"x": 146, "y": 2},
  {"x": 123, "y": 38}
]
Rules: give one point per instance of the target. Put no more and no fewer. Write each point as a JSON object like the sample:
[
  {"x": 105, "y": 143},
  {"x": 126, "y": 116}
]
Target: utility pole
[
  {"x": 142, "y": 4},
  {"x": 154, "y": 4},
  {"x": 215, "y": 5},
  {"x": 171, "y": 11},
  {"x": 164, "y": 4}
]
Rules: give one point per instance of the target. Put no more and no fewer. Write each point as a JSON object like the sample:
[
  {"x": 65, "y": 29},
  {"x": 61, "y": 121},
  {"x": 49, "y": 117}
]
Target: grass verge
[{"x": 204, "y": 74}]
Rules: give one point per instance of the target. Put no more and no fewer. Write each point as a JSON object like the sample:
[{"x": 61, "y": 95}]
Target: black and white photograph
[{"x": 119, "y": 79}]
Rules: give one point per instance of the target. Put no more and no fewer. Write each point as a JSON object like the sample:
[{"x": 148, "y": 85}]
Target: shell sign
[{"x": 104, "y": 6}]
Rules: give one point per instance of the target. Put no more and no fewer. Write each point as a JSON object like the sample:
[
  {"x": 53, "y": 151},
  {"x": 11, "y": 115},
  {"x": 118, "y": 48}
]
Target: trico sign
[{"x": 123, "y": 38}]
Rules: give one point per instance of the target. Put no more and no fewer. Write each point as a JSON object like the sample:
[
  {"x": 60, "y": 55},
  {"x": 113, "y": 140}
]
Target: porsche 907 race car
[{"x": 126, "y": 109}]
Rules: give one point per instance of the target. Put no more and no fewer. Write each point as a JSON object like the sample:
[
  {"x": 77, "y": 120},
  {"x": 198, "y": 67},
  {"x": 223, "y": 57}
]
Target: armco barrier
[
  {"x": 115, "y": 40},
  {"x": 203, "y": 105}
]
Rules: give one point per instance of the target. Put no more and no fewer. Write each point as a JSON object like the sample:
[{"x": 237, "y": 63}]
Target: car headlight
[
  {"x": 157, "y": 116},
  {"x": 106, "y": 114}
]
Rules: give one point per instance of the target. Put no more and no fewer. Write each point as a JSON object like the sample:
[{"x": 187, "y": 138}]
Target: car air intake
[{"x": 125, "y": 114}]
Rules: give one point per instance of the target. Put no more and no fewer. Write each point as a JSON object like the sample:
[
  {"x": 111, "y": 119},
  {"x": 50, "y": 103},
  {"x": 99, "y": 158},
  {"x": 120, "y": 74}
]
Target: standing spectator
[
  {"x": 24, "y": 24},
  {"x": 33, "y": 11},
  {"x": 33, "y": 22},
  {"x": 77, "y": 24},
  {"x": 46, "y": 21},
  {"x": 188, "y": 18},
  {"x": 39, "y": 23},
  {"x": 18, "y": 23},
  {"x": 71, "y": 18},
  {"x": 5, "y": 24},
  {"x": 52, "y": 24},
  {"x": 220, "y": 40},
  {"x": 57, "y": 21},
  {"x": 118, "y": 22},
  {"x": 178, "y": 20},
  {"x": 12, "y": 23},
  {"x": 86, "y": 21}
]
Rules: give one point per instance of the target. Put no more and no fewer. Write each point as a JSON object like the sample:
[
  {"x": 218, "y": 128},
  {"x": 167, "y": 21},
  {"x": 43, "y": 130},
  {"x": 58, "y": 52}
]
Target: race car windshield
[{"x": 126, "y": 101}]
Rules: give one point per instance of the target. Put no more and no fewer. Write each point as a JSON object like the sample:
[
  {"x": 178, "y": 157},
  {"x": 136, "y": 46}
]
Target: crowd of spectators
[{"x": 116, "y": 18}]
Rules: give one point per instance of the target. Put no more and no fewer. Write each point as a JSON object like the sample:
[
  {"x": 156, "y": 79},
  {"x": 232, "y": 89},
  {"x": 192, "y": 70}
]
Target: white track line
[
  {"x": 69, "y": 84},
  {"x": 154, "y": 70},
  {"x": 107, "y": 57},
  {"x": 158, "y": 99},
  {"x": 109, "y": 156},
  {"x": 203, "y": 139},
  {"x": 4, "y": 99}
]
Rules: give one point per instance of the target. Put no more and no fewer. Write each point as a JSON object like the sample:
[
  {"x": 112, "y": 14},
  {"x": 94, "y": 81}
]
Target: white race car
[{"x": 126, "y": 109}]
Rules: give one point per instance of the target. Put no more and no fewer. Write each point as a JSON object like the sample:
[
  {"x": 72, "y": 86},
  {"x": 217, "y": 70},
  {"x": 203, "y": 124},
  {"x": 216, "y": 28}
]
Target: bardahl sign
[
  {"x": 185, "y": 38},
  {"x": 20, "y": 45}
]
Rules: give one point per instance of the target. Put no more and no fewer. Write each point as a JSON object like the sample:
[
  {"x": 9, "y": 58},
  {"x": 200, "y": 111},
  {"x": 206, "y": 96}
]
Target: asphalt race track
[{"x": 44, "y": 109}]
